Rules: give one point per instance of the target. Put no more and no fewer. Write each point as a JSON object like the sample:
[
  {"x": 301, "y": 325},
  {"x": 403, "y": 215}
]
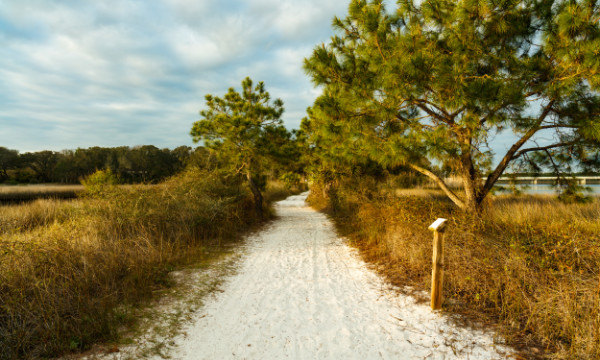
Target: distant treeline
[{"x": 138, "y": 164}]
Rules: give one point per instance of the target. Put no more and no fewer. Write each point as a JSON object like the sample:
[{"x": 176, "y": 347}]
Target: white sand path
[{"x": 301, "y": 293}]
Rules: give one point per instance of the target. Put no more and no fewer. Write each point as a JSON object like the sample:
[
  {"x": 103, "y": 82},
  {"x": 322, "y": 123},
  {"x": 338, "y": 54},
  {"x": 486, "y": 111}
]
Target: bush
[
  {"x": 97, "y": 183},
  {"x": 290, "y": 179},
  {"x": 571, "y": 192}
]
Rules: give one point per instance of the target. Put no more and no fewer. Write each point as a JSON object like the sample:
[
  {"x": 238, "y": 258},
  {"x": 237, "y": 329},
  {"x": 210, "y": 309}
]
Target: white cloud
[
  {"x": 110, "y": 73},
  {"x": 300, "y": 20}
]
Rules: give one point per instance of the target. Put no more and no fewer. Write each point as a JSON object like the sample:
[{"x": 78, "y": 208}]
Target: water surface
[{"x": 545, "y": 189}]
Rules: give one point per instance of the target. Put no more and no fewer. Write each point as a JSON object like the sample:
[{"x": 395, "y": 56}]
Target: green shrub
[
  {"x": 97, "y": 183},
  {"x": 290, "y": 179}
]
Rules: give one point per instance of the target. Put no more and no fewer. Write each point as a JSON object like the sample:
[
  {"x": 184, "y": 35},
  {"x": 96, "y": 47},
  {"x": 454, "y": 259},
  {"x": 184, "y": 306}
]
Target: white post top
[{"x": 438, "y": 225}]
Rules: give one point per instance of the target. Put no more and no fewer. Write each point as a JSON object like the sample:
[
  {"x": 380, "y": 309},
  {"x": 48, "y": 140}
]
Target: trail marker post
[{"x": 437, "y": 272}]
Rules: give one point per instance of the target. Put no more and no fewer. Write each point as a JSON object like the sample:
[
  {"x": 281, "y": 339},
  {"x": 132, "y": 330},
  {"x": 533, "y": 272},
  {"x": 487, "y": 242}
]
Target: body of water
[{"x": 544, "y": 189}]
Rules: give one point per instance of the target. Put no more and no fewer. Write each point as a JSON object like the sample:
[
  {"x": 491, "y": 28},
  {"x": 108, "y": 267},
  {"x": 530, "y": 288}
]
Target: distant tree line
[{"x": 140, "y": 164}]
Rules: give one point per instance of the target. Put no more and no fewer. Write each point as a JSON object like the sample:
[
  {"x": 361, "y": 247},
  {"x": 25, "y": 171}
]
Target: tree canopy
[
  {"x": 244, "y": 129},
  {"x": 430, "y": 85}
]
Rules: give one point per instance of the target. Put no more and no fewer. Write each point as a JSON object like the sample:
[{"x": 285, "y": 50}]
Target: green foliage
[
  {"x": 435, "y": 81},
  {"x": 290, "y": 179},
  {"x": 42, "y": 164},
  {"x": 571, "y": 192},
  {"x": 245, "y": 132},
  {"x": 241, "y": 127},
  {"x": 147, "y": 164},
  {"x": 97, "y": 183},
  {"x": 100, "y": 178},
  {"x": 8, "y": 161}
]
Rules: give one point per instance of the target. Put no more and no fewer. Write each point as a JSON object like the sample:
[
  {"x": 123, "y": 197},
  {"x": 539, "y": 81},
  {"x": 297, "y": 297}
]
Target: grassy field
[
  {"x": 528, "y": 265},
  {"x": 66, "y": 267},
  {"x": 17, "y": 193}
]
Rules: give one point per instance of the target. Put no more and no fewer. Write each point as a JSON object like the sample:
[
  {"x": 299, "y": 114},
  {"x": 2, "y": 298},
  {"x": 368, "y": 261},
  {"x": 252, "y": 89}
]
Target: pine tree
[
  {"x": 246, "y": 130},
  {"x": 432, "y": 83}
]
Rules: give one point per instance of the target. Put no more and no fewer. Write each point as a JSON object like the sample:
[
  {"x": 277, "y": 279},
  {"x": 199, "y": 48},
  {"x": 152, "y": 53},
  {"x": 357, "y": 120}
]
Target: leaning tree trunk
[{"x": 258, "y": 199}]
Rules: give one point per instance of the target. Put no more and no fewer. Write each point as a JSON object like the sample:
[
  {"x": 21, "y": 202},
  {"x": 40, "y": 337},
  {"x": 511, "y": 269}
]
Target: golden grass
[
  {"x": 65, "y": 267},
  {"x": 38, "y": 188},
  {"x": 544, "y": 209},
  {"x": 419, "y": 192},
  {"x": 529, "y": 264},
  {"x": 31, "y": 192}
]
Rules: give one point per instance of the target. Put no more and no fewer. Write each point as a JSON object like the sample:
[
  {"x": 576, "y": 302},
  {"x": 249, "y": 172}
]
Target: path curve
[{"x": 301, "y": 293}]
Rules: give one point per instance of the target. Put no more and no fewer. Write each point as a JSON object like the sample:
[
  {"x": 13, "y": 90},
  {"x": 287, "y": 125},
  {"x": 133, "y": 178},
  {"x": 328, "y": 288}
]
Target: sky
[{"x": 110, "y": 73}]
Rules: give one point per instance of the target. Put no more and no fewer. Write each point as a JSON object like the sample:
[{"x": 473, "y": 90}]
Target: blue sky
[
  {"x": 82, "y": 73},
  {"x": 132, "y": 72}
]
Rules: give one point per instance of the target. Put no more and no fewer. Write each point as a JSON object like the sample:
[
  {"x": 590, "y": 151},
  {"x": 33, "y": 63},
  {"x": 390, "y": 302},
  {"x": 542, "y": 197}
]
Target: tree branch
[
  {"x": 455, "y": 199},
  {"x": 556, "y": 168},
  {"x": 508, "y": 157},
  {"x": 441, "y": 110},
  {"x": 457, "y": 112},
  {"x": 542, "y": 148},
  {"x": 434, "y": 114},
  {"x": 556, "y": 126},
  {"x": 500, "y": 106}
]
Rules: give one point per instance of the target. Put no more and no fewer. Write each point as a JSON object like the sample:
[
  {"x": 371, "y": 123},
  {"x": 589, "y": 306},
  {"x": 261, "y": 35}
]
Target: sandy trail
[{"x": 301, "y": 293}]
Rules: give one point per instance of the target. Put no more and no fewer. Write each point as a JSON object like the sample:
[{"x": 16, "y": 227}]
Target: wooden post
[{"x": 437, "y": 272}]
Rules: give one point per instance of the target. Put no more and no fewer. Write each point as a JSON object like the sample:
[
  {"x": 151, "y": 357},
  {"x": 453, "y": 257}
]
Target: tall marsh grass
[
  {"x": 65, "y": 267},
  {"x": 530, "y": 265},
  {"x": 17, "y": 193}
]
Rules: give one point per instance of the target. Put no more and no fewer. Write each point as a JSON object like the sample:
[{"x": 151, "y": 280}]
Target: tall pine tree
[
  {"x": 432, "y": 83},
  {"x": 246, "y": 131}
]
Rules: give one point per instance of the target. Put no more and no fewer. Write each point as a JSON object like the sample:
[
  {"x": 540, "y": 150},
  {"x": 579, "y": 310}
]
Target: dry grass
[
  {"x": 65, "y": 267},
  {"x": 12, "y": 193},
  {"x": 419, "y": 192},
  {"x": 38, "y": 188},
  {"x": 530, "y": 265}
]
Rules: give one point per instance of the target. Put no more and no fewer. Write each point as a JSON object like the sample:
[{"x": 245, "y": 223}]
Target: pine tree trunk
[
  {"x": 470, "y": 179},
  {"x": 258, "y": 199},
  {"x": 472, "y": 202}
]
